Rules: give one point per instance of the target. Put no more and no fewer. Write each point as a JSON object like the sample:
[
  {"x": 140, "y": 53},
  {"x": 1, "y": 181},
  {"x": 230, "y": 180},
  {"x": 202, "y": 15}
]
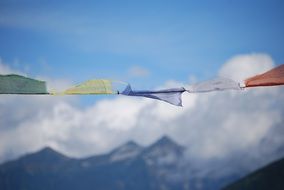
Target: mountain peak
[
  {"x": 47, "y": 150},
  {"x": 128, "y": 150},
  {"x": 128, "y": 145},
  {"x": 163, "y": 151},
  {"x": 165, "y": 140},
  {"x": 45, "y": 155},
  {"x": 131, "y": 143}
]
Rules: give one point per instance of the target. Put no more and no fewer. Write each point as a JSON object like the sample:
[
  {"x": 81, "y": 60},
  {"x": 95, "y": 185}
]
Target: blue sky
[{"x": 166, "y": 39}]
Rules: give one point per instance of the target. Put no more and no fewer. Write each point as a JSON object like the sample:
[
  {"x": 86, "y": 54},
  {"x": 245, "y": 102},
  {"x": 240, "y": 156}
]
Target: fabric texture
[
  {"x": 217, "y": 84},
  {"x": 172, "y": 96},
  {"x": 270, "y": 78},
  {"x": 16, "y": 84},
  {"x": 98, "y": 86}
]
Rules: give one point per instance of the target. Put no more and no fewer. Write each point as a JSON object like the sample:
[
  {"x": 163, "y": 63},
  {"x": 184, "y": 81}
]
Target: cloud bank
[{"x": 220, "y": 127}]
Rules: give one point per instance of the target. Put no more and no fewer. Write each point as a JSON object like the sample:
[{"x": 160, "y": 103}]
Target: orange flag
[{"x": 270, "y": 78}]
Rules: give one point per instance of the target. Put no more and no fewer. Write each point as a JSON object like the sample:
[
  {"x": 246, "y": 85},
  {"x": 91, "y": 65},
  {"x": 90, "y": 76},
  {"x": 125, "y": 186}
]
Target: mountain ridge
[
  {"x": 125, "y": 167},
  {"x": 161, "y": 165}
]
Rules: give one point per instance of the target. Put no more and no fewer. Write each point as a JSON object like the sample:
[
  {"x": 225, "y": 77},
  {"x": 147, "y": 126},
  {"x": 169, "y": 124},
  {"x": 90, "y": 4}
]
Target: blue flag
[{"x": 172, "y": 96}]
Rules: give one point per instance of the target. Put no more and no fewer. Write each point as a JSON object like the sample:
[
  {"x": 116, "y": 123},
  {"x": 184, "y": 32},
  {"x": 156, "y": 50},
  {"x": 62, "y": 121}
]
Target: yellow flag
[{"x": 97, "y": 86}]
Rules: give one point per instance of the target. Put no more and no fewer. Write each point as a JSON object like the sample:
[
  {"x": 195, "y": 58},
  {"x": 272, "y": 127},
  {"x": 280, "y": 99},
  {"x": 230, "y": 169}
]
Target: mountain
[
  {"x": 162, "y": 165},
  {"x": 126, "y": 151},
  {"x": 269, "y": 177}
]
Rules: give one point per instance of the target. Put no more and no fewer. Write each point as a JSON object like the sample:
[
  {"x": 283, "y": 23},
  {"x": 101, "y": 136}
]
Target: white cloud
[
  {"x": 243, "y": 66},
  {"x": 213, "y": 126}
]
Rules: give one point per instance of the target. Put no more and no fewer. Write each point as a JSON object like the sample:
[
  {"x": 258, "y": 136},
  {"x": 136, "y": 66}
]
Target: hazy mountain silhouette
[{"x": 162, "y": 165}]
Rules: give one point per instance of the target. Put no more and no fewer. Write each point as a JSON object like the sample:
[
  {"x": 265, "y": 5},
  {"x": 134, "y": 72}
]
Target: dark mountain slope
[{"x": 269, "y": 177}]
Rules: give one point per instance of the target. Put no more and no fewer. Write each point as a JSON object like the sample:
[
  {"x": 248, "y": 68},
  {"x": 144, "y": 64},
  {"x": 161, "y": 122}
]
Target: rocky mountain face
[{"x": 161, "y": 165}]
